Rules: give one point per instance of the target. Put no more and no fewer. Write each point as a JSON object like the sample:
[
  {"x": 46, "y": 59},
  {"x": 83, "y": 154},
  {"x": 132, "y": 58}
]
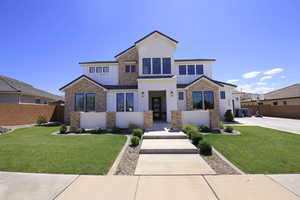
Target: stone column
[
  {"x": 148, "y": 119},
  {"x": 75, "y": 119},
  {"x": 110, "y": 120},
  {"x": 214, "y": 119},
  {"x": 176, "y": 121}
]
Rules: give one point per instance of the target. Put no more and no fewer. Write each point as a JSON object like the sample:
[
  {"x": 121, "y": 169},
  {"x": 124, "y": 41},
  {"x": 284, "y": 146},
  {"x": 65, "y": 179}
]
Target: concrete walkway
[
  {"x": 283, "y": 124},
  {"x": 289, "y": 181},
  {"x": 170, "y": 153}
]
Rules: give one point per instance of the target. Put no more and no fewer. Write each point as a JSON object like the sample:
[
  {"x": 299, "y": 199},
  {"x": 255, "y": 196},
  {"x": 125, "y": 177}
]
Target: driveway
[{"x": 283, "y": 124}]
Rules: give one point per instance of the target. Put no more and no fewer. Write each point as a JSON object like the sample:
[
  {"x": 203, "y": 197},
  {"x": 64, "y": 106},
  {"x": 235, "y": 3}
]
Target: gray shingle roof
[{"x": 12, "y": 85}]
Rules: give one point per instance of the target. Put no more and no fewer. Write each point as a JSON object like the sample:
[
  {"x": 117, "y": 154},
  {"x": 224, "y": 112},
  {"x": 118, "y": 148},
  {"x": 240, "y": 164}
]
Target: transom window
[
  {"x": 222, "y": 95},
  {"x": 130, "y": 68},
  {"x": 157, "y": 65},
  {"x": 191, "y": 69},
  {"x": 203, "y": 100},
  {"x": 125, "y": 102}
]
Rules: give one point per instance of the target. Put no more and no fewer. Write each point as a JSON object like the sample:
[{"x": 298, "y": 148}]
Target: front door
[{"x": 156, "y": 108}]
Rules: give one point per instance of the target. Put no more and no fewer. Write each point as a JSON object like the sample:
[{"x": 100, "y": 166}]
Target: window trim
[
  {"x": 193, "y": 69},
  {"x": 86, "y": 101},
  {"x": 105, "y": 69},
  {"x": 92, "y": 70},
  {"x": 100, "y": 69},
  {"x": 201, "y": 67},
  {"x": 158, "y": 67},
  {"x": 164, "y": 69},
  {"x": 150, "y": 65},
  {"x": 75, "y": 102},
  {"x": 124, "y": 101},
  {"x": 185, "y": 71}
]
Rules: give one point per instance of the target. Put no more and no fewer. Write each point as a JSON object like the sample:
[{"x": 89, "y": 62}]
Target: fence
[
  {"x": 18, "y": 114},
  {"x": 288, "y": 111}
]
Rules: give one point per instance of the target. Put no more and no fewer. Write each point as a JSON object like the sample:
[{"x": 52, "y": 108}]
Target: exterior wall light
[
  {"x": 172, "y": 93},
  {"x": 143, "y": 93}
]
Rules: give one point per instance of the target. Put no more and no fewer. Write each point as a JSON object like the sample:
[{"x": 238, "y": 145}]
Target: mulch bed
[
  {"x": 129, "y": 161},
  {"x": 219, "y": 165}
]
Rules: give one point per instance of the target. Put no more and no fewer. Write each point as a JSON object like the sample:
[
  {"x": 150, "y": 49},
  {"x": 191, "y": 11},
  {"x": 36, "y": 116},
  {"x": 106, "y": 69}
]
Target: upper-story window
[
  {"x": 105, "y": 69},
  {"x": 191, "y": 69},
  {"x": 98, "y": 69},
  {"x": 92, "y": 69},
  {"x": 146, "y": 66},
  {"x": 130, "y": 68},
  {"x": 182, "y": 69},
  {"x": 156, "y": 66},
  {"x": 222, "y": 95}
]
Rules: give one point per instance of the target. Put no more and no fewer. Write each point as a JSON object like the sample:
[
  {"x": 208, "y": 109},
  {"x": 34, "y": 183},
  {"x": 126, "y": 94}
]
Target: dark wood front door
[{"x": 156, "y": 108}]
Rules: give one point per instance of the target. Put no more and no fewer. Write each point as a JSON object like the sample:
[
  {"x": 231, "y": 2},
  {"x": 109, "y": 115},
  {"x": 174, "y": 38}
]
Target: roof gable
[{"x": 80, "y": 78}]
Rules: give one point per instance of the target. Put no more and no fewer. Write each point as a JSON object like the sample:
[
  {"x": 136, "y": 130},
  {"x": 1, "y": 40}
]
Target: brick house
[{"x": 145, "y": 84}]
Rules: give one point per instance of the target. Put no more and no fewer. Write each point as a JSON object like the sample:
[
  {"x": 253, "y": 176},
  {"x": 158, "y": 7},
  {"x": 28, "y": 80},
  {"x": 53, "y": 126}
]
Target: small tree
[
  {"x": 63, "y": 129},
  {"x": 41, "y": 120},
  {"x": 228, "y": 116}
]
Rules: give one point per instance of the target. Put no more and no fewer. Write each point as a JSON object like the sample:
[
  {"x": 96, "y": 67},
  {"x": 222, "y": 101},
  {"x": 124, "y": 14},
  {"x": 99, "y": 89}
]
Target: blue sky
[{"x": 43, "y": 41}]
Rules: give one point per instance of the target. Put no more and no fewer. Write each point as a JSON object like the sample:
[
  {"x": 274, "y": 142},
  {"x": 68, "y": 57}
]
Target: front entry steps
[
  {"x": 169, "y": 146},
  {"x": 164, "y": 135}
]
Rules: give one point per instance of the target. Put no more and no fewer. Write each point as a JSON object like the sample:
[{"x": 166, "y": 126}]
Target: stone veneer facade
[
  {"x": 205, "y": 85},
  {"x": 176, "y": 119},
  {"x": 110, "y": 120},
  {"x": 128, "y": 78},
  {"x": 75, "y": 119},
  {"x": 83, "y": 86},
  {"x": 148, "y": 119}
]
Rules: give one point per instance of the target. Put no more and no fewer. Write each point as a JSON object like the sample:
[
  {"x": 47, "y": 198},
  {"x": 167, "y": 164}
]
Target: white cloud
[
  {"x": 273, "y": 71},
  {"x": 252, "y": 89},
  {"x": 261, "y": 83},
  {"x": 283, "y": 77},
  {"x": 265, "y": 78},
  {"x": 250, "y": 75},
  {"x": 233, "y": 80}
]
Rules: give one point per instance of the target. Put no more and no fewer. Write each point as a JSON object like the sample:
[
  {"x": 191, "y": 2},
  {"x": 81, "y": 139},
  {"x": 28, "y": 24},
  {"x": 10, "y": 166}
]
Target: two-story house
[{"x": 147, "y": 77}]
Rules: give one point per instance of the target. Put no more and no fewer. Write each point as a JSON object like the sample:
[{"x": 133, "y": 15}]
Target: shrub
[
  {"x": 228, "y": 116},
  {"x": 63, "y": 129},
  {"x": 81, "y": 130},
  {"x": 73, "y": 129},
  {"x": 229, "y": 129},
  {"x": 93, "y": 131},
  {"x": 100, "y": 130},
  {"x": 205, "y": 148},
  {"x": 189, "y": 127},
  {"x": 116, "y": 130},
  {"x": 205, "y": 129},
  {"x": 135, "y": 141},
  {"x": 221, "y": 125},
  {"x": 133, "y": 126},
  {"x": 196, "y": 138},
  {"x": 41, "y": 120},
  {"x": 138, "y": 132}
]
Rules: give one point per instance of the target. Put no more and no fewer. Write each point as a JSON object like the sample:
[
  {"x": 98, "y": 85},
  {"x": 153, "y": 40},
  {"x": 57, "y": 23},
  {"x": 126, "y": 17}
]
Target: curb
[{"x": 114, "y": 167}]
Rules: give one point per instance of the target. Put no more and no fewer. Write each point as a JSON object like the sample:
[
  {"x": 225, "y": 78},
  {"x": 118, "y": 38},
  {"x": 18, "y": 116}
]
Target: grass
[
  {"x": 36, "y": 150},
  {"x": 260, "y": 150}
]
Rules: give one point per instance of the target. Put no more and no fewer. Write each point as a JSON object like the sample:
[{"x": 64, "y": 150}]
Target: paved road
[{"x": 290, "y": 125}]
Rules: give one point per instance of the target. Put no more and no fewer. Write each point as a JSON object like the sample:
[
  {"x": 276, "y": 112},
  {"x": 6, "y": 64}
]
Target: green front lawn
[
  {"x": 260, "y": 150},
  {"x": 36, "y": 150}
]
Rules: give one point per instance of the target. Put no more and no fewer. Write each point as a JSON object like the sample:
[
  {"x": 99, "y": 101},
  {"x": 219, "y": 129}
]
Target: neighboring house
[
  {"x": 282, "y": 97},
  {"x": 251, "y": 96},
  {"x": 146, "y": 76},
  {"x": 14, "y": 91}
]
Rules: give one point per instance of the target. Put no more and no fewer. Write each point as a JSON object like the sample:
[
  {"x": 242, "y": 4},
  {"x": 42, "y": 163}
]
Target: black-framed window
[
  {"x": 208, "y": 100},
  {"x": 127, "y": 68},
  {"x": 129, "y": 102},
  {"x": 182, "y": 69},
  {"x": 133, "y": 68},
  {"x": 120, "y": 102},
  {"x": 92, "y": 69},
  {"x": 130, "y": 68},
  {"x": 37, "y": 101},
  {"x": 105, "y": 69},
  {"x": 79, "y": 102},
  {"x": 284, "y": 103},
  {"x": 197, "y": 100},
  {"x": 191, "y": 69},
  {"x": 146, "y": 66},
  {"x": 90, "y": 100},
  {"x": 166, "y": 65},
  {"x": 98, "y": 69},
  {"x": 156, "y": 66},
  {"x": 199, "y": 69},
  {"x": 275, "y": 103},
  {"x": 180, "y": 96},
  {"x": 222, "y": 95}
]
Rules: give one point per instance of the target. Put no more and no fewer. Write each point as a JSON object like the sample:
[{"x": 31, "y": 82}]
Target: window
[
  {"x": 129, "y": 102},
  {"x": 98, "y": 69},
  {"x": 197, "y": 100},
  {"x": 37, "y": 101},
  {"x": 182, "y": 69},
  {"x": 284, "y": 103},
  {"x": 146, "y": 66},
  {"x": 90, "y": 102},
  {"x": 120, "y": 102},
  {"x": 156, "y": 66},
  {"x": 166, "y": 65},
  {"x": 191, "y": 69},
  {"x": 222, "y": 94},
  {"x": 105, "y": 69},
  {"x": 199, "y": 69},
  {"x": 79, "y": 102},
  {"x": 275, "y": 103},
  {"x": 130, "y": 68},
  {"x": 180, "y": 95},
  {"x": 92, "y": 69},
  {"x": 209, "y": 100}
]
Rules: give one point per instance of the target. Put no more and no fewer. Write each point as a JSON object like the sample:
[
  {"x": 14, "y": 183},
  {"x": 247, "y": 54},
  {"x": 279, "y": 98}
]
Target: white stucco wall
[
  {"x": 226, "y": 104},
  {"x": 181, "y": 104},
  {"x": 196, "y": 117},
  {"x": 123, "y": 119},
  {"x": 91, "y": 120},
  {"x": 105, "y": 78},
  {"x": 168, "y": 85}
]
